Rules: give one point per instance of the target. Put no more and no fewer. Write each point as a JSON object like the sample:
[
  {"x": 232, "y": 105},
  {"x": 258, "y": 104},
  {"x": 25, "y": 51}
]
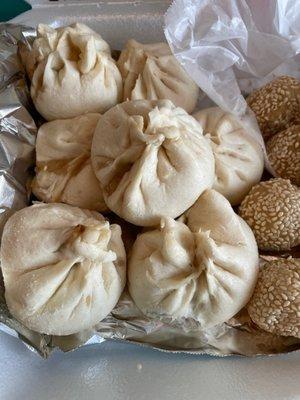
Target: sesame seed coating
[
  {"x": 275, "y": 304},
  {"x": 284, "y": 153},
  {"x": 276, "y": 105},
  {"x": 272, "y": 210}
]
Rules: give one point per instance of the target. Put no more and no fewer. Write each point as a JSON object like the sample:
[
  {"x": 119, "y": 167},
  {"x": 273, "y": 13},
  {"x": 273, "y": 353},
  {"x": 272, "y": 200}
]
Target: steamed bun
[
  {"x": 239, "y": 159},
  {"x": 150, "y": 71},
  {"x": 151, "y": 160},
  {"x": 75, "y": 73},
  {"x": 63, "y": 163},
  {"x": 204, "y": 269},
  {"x": 64, "y": 268}
]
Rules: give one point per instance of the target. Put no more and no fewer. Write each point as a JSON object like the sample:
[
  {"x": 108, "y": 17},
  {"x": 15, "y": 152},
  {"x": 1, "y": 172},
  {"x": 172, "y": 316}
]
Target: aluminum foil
[{"x": 125, "y": 322}]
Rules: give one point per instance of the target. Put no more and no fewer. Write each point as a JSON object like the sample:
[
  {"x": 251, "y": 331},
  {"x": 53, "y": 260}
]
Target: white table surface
[{"x": 114, "y": 371}]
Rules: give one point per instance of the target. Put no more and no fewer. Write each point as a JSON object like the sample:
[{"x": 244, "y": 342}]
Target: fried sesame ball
[
  {"x": 272, "y": 210},
  {"x": 284, "y": 153},
  {"x": 275, "y": 304},
  {"x": 276, "y": 105}
]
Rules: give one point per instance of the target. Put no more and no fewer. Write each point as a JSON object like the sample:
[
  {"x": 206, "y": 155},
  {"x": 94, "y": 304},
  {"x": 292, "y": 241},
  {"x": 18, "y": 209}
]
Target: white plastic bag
[{"x": 233, "y": 46}]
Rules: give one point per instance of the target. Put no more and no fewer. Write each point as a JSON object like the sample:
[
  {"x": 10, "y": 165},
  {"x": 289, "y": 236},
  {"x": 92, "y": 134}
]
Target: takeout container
[{"x": 118, "y": 21}]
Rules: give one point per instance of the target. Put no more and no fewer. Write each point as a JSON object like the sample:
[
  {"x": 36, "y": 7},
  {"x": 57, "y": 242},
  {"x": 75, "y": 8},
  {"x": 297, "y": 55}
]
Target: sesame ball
[
  {"x": 275, "y": 304},
  {"x": 276, "y": 105},
  {"x": 284, "y": 153},
  {"x": 272, "y": 210}
]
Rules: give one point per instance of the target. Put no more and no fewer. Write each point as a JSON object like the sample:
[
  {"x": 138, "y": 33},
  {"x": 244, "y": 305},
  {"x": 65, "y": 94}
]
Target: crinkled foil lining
[{"x": 17, "y": 137}]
